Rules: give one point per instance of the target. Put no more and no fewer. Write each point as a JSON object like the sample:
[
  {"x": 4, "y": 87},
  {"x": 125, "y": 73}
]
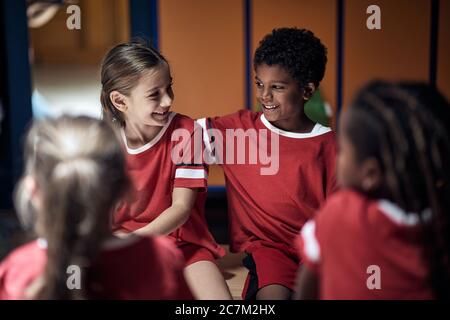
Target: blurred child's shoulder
[
  {"x": 163, "y": 247},
  {"x": 146, "y": 249},
  {"x": 27, "y": 251},
  {"x": 345, "y": 199},
  {"x": 167, "y": 247},
  {"x": 16, "y": 265}
]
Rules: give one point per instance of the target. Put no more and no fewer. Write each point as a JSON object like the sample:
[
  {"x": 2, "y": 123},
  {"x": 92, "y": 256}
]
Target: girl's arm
[
  {"x": 183, "y": 199},
  {"x": 307, "y": 284}
]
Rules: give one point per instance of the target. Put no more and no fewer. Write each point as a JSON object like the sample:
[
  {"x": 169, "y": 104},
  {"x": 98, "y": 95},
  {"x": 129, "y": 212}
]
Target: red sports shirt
[
  {"x": 354, "y": 239},
  {"x": 271, "y": 209},
  {"x": 149, "y": 268},
  {"x": 154, "y": 176}
]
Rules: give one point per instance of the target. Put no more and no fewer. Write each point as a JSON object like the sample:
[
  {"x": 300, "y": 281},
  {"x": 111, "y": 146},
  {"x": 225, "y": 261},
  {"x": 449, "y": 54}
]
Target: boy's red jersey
[{"x": 269, "y": 210}]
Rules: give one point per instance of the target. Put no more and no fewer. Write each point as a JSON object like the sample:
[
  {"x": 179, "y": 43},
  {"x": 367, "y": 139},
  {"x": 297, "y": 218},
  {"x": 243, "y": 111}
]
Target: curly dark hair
[{"x": 299, "y": 51}]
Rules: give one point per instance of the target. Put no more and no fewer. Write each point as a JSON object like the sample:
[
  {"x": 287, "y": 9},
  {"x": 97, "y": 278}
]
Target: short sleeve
[{"x": 191, "y": 170}]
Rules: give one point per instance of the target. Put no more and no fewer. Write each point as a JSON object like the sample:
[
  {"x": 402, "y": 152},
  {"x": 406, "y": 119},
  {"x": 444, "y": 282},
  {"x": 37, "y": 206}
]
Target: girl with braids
[
  {"x": 74, "y": 176},
  {"x": 168, "y": 195},
  {"x": 385, "y": 235}
]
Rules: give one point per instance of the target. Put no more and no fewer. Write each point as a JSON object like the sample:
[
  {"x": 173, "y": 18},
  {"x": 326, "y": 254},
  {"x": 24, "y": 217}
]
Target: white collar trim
[
  {"x": 316, "y": 131},
  {"x": 150, "y": 144},
  {"x": 399, "y": 216}
]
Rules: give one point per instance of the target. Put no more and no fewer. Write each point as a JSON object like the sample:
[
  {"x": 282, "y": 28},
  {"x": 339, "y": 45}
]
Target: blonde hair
[{"x": 79, "y": 169}]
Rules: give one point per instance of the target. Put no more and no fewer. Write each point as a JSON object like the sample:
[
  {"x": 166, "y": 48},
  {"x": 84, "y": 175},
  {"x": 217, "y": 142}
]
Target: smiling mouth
[
  {"x": 270, "y": 107},
  {"x": 161, "y": 114}
]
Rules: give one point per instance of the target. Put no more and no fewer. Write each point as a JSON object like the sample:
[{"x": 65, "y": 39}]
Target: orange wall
[
  {"x": 204, "y": 42},
  {"x": 399, "y": 51}
]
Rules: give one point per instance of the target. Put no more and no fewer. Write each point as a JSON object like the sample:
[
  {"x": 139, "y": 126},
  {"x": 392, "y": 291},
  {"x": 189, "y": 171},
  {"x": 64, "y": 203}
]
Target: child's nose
[
  {"x": 166, "y": 102},
  {"x": 266, "y": 95}
]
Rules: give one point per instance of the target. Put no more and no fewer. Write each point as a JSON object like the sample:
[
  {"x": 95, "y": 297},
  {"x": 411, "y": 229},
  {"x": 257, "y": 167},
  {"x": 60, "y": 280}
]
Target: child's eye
[
  {"x": 277, "y": 87},
  {"x": 153, "y": 95},
  {"x": 258, "y": 84}
]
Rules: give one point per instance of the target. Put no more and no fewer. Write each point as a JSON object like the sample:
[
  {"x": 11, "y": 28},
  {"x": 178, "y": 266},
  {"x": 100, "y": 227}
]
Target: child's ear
[
  {"x": 32, "y": 191},
  {"x": 119, "y": 101},
  {"x": 372, "y": 175},
  {"x": 309, "y": 90}
]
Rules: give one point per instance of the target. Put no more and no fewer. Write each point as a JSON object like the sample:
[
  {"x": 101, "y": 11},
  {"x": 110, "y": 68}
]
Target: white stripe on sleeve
[
  {"x": 191, "y": 174},
  {"x": 311, "y": 245}
]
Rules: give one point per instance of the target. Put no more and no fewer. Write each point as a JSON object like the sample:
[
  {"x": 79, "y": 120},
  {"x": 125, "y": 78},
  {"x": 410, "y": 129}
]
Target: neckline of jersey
[
  {"x": 400, "y": 216},
  {"x": 316, "y": 131},
  {"x": 152, "y": 142}
]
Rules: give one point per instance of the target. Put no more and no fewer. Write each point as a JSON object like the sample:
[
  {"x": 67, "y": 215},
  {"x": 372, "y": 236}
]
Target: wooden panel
[
  {"x": 203, "y": 41},
  {"x": 54, "y": 37},
  {"x": 103, "y": 24},
  {"x": 443, "y": 72},
  {"x": 318, "y": 16},
  {"x": 121, "y": 21},
  {"x": 399, "y": 51}
]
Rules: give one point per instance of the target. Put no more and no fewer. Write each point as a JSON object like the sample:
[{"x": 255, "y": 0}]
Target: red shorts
[
  {"x": 268, "y": 266},
  {"x": 193, "y": 253}
]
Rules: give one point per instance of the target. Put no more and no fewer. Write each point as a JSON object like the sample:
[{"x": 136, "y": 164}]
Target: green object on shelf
[{"x": 318, "y": 110}]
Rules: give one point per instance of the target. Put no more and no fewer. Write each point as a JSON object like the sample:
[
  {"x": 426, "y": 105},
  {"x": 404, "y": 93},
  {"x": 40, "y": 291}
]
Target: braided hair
[{"x": 396, "y": 125}]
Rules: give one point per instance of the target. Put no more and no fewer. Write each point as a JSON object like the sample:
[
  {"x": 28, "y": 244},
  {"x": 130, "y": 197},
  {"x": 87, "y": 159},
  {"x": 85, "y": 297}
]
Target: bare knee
[{"x": 206, "y": 281}]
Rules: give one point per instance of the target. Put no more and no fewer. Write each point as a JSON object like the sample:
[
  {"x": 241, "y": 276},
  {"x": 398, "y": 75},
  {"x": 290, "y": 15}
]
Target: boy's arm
[{"x": 183, "y": 200}]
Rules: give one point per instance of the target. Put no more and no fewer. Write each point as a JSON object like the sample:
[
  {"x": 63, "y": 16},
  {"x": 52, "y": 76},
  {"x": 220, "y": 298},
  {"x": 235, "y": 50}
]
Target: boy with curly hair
[{"x": 266, "y": 212}]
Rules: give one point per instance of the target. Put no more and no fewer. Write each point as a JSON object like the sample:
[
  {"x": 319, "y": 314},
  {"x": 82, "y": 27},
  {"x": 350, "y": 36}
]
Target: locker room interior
[{"x": 209, "y": 45}]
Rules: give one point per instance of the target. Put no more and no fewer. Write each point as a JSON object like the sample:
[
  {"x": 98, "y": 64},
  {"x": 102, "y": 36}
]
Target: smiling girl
[{"x": 168, "y": 197}]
